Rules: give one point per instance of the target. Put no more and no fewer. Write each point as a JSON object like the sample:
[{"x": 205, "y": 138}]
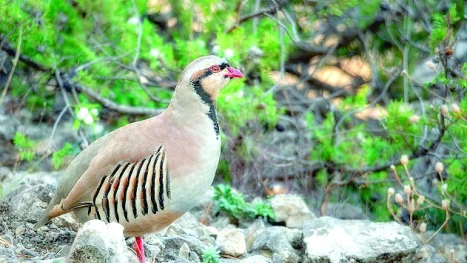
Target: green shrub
[
  {"x": 235, "y": 206},
  {"x": 211, "y": 255},
  {"x": 25, "y": 146}
]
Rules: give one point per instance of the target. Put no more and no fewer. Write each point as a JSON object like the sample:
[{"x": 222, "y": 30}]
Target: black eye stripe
[{"x": 223, "y": 65}]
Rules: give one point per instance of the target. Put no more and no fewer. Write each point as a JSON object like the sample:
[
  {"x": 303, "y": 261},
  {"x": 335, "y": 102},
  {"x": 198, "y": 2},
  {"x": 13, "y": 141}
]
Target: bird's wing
[{"x": 127, "y": 144}]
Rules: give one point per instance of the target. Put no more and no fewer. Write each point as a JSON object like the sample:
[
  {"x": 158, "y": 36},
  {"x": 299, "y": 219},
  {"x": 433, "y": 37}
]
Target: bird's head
[{"x": 208, "y": 75}]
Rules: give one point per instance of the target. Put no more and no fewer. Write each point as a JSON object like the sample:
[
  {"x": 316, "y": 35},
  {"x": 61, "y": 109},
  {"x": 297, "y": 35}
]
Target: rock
[
  {"x": 55, "y": 260},
  {"x": 344, "y": 211},
  {"x": 207, "y": 231},
  {"x": 5, "y": 174},
  {"x": 327, "y": 239},
  {"x": 220, "y": 222},
  {"x": 274, "y": 243},
  {"x": 187, "y": 254},
  {"x": 443, "y": 243},
  {"x": 8, "y": 127},
  {"x": 229, "y": 260},
  {"x": 290, "y": 209},
  {"x": 172, "y": 245},
  {"x": 67, "y": 220},
  {"x": 184, "y": 251},
  {"x": 188, "y": 220},
  {"x": 231, "y": 241},
  {"x": 295, "y": 237},
  {"x": 124, "y": 257},
  {"x": 428, "y": 254},
  {"x": 27, "y": 202},
  {"x": 177, "y": 230},
  {"x": 252, "y": 232},
  {"x": 7, "y": 254},
  {"x": 256, "y": 259},
  {"x": 98, "y": 242}
]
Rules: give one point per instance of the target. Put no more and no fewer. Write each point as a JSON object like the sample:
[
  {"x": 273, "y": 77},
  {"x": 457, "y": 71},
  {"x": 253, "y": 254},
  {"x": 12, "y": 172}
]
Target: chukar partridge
[{"x": 147, "y": 174}]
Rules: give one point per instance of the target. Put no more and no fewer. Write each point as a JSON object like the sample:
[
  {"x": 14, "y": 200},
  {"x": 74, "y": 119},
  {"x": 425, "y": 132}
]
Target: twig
[
  {"x": 56, "y": 124},
  {"x": 136, "y": 57},
  {"x": 114, "y": 106},
  {"x": 88, "y": 92},
  {"x": 282, "y": 62},
  {"x": 15, "y": 62},
  {"x": 260, "y": 12},
  {"x": 372, "y": 104},
  {"x": 283, "y": 27},
  {"x": 140, "y": 34},
  {"x": 67, "y": 103},
  {"x": 25, "y": 59},
  {"x": 439, "y": 229}
]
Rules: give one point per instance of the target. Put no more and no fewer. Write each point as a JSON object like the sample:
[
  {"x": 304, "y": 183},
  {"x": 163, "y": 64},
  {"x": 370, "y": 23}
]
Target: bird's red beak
[{"x": 234, "y": 73}]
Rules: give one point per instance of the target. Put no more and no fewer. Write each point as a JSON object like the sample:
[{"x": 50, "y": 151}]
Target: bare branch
[{"x": 260, "y": 12}]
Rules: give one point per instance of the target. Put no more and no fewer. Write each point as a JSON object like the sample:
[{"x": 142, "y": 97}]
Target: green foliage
[
  {"x": 439, "y": 32},
  {"x": 234, "y": 204},
  {"x": 57, "y": 157},
  {"x": 262, "y": 209},
  {"x": 403, "y": 132},
  {"x": 453, "y": 14},
  {"x": 338, "y": 8},
  {"x": 441, "y": 25},
  {"x": 211, "y": 255},
  {"x": 25, "y": 146}
]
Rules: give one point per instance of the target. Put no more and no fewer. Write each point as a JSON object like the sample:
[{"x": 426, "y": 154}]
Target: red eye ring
[{"x": 215, "y": 68}]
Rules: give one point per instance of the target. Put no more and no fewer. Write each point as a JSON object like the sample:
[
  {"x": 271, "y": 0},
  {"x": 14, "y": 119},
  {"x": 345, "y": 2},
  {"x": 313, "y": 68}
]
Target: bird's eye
[{"x": 215, "y": 68}]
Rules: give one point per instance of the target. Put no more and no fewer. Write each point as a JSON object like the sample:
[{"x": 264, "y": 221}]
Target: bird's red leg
[{"x": 139, "y": 248}]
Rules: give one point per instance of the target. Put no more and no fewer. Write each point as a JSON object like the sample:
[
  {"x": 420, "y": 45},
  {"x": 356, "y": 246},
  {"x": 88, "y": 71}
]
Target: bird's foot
[{"x": 139, "y": 249}]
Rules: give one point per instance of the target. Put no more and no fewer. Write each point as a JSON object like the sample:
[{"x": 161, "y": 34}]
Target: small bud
[
  {"x": 95, "y": 112},
  {"x": 445, "y": 110},
  {"x": 455, "y": 108},
  {"x": 88, "y": 120},
  {"x": 82, "y": 113},
  {"x": 422, "y": 228},
  {"x": 439, "y": 167},
  {"x": 391, "y": 191},
  {"x": 392, "y": 167},
  {"x": 154, "y": 52},
  {"x": 399, "y": 198},
  {"x": 444, "y": 188},
  {"x": 451, "y": 252},
  {"x": 404, "y": 73},
  {"x": 407, "y": 189},
  {"x": 420, "y": 200},
  {"x": 411, "y": 207},
  {"x": 411, "y": 180},
  {"x": 431, "y": 65},
  {"x": 404, "y": 159},
  {"x": 444, "y": 204},
  {"x": 414, "y": 119},
  {"x": 434, "y": 181}
]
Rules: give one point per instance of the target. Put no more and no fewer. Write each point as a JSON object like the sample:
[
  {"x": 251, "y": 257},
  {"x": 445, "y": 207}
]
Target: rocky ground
[{"x": 296, "y": 236}]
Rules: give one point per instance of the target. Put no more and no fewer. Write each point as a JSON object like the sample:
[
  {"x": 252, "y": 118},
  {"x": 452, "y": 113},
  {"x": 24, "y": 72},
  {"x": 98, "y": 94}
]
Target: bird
[{"x": 147, "y": 174}]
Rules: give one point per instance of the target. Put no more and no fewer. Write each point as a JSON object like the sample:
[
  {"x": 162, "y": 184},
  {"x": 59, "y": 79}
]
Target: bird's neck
[{"x": 192, "y": 102}]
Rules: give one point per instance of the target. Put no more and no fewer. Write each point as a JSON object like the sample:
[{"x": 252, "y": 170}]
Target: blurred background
[{"x": 342, "y": 100}]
